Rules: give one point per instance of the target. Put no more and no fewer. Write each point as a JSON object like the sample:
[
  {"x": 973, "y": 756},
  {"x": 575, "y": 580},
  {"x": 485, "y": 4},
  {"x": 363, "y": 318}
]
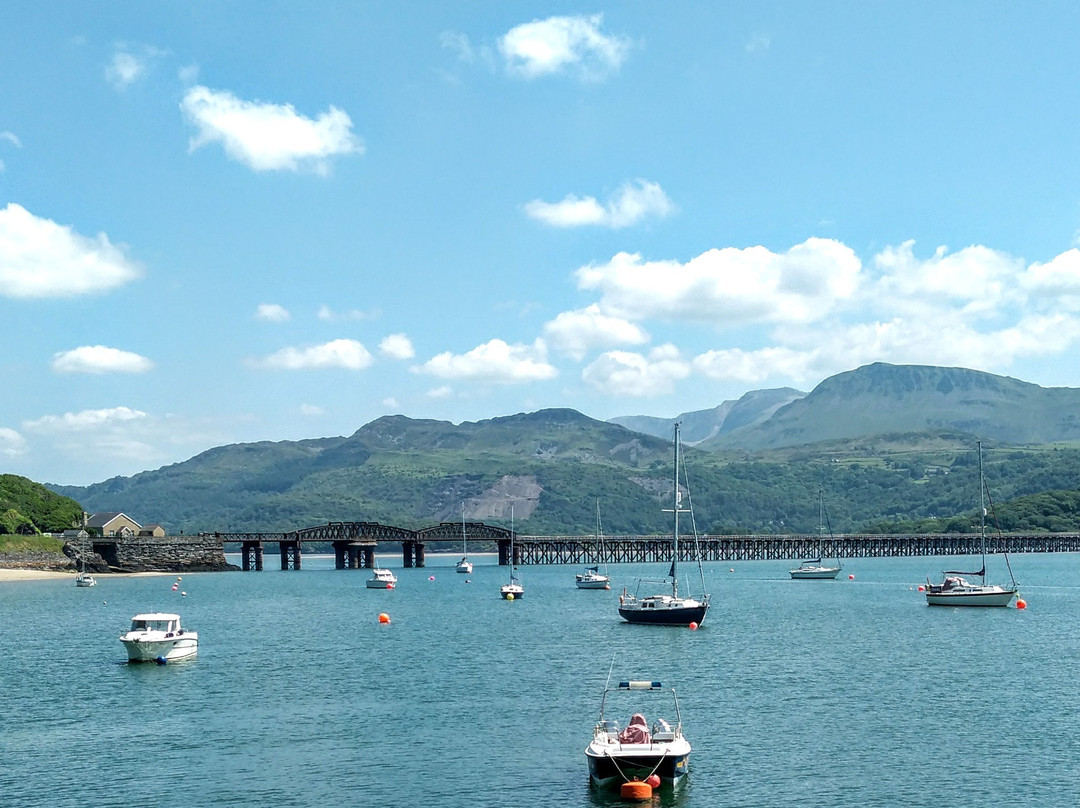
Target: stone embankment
[{"x": 199, "y": 553}]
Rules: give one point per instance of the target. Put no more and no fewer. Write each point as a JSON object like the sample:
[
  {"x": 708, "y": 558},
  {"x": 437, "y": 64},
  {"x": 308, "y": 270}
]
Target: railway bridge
[{"x": 354, "y": 545}]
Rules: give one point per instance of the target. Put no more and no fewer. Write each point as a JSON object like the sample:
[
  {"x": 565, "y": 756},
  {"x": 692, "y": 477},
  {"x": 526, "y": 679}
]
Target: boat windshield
[{"x": 151, "y": 625}]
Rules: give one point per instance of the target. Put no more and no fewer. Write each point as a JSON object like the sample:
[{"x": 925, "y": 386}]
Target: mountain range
[{"x": 882, "y": 441}]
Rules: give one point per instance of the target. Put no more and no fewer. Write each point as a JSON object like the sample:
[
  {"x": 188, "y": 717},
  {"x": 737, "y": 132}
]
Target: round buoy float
[
  {"x": 431, "y": 577},
  {"x": 1021, "y": 603},
  {"x": 389, "y": 586},
  {"x": 510, "y": 596},
  {"x": 851, "y": 577},
  {"x": 161, "y": 660},
  {"x": 693, "y": 625},
  {"x": 653, "y": 780},
  {"x": 635, "y": 790},
  {"x": 384, "y": 617},
  {"x": 922, "y": 588},
  {"x": 731, "y": 570}
]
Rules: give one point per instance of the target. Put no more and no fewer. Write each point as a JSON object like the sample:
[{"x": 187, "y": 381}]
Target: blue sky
[{"x": 227, "y": 222}]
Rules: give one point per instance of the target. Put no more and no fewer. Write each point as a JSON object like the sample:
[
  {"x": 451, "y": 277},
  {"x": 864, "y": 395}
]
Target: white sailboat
[
  {"x": 955, "y": 590},
  {"x": 82, "y": 577},
  {"x": 668, "y": 608},
  {"x": 814, "y": 569},
  {"x": 513, "y": 589},
  {"x": 592, "y": 577},
  {"x": 464, "y": 565}
]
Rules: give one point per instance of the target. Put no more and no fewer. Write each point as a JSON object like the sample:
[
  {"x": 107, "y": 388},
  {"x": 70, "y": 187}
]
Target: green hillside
[
  {"x": 29, "y": 508},
  {"x": 552, "y": 466}
]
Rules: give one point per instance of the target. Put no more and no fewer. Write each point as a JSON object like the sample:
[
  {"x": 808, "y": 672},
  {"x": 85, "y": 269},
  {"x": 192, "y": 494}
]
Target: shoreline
[{"x": 18, "y": 574}]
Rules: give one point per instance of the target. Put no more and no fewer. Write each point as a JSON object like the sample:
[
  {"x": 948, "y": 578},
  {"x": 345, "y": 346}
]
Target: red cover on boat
[{"x": 637, "y": 731}]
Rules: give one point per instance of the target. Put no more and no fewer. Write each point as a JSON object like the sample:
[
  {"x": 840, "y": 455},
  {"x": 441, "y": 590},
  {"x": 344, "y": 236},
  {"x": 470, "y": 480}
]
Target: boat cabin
[{"x": 168, "y": 623}]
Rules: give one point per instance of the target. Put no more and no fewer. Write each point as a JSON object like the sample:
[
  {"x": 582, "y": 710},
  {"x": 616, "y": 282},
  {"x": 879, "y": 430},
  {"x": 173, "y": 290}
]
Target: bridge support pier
[
  {"x": 412, "y": 553},
  {"x": 290, "y": 554},
  {"x": 251, "y": 556}
]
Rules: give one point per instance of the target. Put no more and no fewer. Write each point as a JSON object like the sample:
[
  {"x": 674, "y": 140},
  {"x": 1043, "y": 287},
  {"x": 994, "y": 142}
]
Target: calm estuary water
[{"x": 794, "y": 693}]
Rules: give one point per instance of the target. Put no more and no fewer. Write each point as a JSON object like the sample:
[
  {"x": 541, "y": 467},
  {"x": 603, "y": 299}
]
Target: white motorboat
[
  {"x": 381, "y": 579},
  {"x": 158, "y": 637},
  {"x": 814, "y": 569},
  {"x": 667, "y": 608},
  {"x": 954, "y": 589},
  {"x": 639, "y": 750},
  {"x": 464, "y": 565},
  {"x": 592, "y": 577}
]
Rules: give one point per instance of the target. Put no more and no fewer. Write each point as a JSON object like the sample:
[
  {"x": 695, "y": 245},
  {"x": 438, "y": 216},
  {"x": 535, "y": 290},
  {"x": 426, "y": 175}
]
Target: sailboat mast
[
  {"x": 675, "y": 510},
  {"x": 982, "y": 513}
]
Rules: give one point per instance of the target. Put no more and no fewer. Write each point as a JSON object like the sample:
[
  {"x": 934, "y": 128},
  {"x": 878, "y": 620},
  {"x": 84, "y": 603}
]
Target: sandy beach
[
  {"x": 41, "y": 575},
  {"x": 32, "y": 575}
]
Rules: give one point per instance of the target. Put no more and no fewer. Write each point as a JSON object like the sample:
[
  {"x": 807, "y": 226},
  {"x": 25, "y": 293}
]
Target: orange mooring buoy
[
  {"x": 635, "y": 790},
  {"x": 1021, "y": 603},
  {"x": 384, "y": 617}
]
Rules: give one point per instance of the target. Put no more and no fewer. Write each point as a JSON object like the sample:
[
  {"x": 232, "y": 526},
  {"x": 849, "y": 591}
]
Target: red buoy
[
  {"x": 635, "y": 790},
  {"x": 693, "y": 625},
  {"x": 1021, "y": 603},
  {"x": 653, "y": 781},
  {"x": 922, "y": 588},
  {"x": 384, "y": 617}
]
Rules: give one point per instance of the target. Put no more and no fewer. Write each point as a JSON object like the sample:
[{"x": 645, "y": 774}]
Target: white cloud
[
  {"x": 130, "y": 63},
  {"x": 40, "y": 258},
  {"x": 84, "y": 420},
  {"x": 1055, "y": 283},
  {"x": 577, "y": 332},
  {"x": 976, "y": 278},
  {"x": 561, "y": 44},
  {"x": 329, "y": 315},
  {"x": 340, "y": 353},
  {"x": 624, "y": 373},
  {"x": 391, "y": 403},
  {"x": 312, "y": 410},
  {"x": 123, "y": 70},
  {"x": 268, "y": 137},
  {"x": 730, "y": 286},
  {"x": 494, "y": 362},
  {"x": 632, "y": 203},
  {"x": 271, "y": 313},
  {"x": 440, "y": 392},
  {"x": 754, "y": 366},
  {"x": 397, "y": 346},
  {"x": 12, "y": 444},
  {"x": 100, "y": 359},
  {"x": 12, "y": 138}
]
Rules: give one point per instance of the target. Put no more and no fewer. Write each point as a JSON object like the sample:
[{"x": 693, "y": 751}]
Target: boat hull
[
  {"x": 814, "y": 573},
  {"x": 373, "y": 584},
  {"x": 84, "y": 579},
  {"x": 170, "y": 650},
  {"x": 593, "y": 583},
  {"x": 991, "y": 596},
  {"x": 672, "y": 616},
  {"x": 516, "y": 592},
  {"x": 610, "y": 766}
]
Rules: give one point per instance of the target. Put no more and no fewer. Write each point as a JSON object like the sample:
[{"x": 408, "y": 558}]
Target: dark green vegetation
[
  {"x": 554, "y": 465},
  {"x": 28, "y": 508}
]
